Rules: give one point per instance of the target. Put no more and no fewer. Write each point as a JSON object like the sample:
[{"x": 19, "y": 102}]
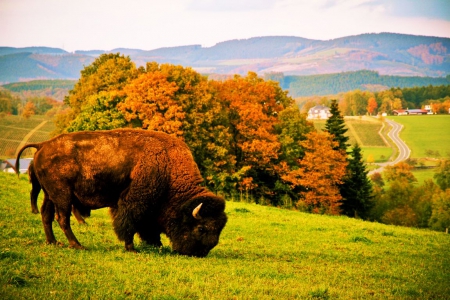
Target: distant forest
[
  {"x": 332, "y": 84},
  {"x": 298, "y": 86}
]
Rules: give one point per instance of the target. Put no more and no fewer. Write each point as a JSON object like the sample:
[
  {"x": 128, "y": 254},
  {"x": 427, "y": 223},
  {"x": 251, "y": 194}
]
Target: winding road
[{"x": 404, "y": 151}]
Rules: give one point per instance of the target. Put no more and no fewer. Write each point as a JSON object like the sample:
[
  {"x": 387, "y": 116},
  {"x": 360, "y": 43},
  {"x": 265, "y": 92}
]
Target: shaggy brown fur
[
  {"x": 148, "y": 179},
  {"x": 79, "y": 213}
]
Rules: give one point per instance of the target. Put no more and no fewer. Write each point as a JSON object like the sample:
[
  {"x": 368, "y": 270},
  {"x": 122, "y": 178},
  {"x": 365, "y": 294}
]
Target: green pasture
[
  {"x": 365, "y": 132},
  {"x": 264, "y": 253},
  {"x": 427, "y": 135}
]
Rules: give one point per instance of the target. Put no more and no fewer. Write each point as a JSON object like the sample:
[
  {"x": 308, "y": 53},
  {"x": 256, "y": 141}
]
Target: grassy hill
[
  {"x": 14, "y": 130},
  {"x": 264, "y": 253}
]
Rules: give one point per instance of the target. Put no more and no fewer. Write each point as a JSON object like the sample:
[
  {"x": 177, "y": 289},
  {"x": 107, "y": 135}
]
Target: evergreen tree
[
  {"x": 335, "y": 125},
  {"x": 357, "y": 188}
]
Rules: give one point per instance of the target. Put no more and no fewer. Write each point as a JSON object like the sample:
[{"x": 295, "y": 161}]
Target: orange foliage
[
  {"x": 149, "y": 99},
  {"x": 320, "y": 172},
  {"x": 371, "y": 105},
  {"x": 29, "y": 110}
]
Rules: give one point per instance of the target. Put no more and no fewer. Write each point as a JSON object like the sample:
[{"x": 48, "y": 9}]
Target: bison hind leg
[
  {"x": 124, "y": 226},
  {"x": 64, "y": 212},
  {"x": 48, "y": 215}
]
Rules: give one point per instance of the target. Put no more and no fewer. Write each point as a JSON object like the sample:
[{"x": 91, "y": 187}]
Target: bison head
[{"x": 199, "y": 225}]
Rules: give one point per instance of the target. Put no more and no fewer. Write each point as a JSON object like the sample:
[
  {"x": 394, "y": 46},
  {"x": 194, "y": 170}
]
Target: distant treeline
[
  {"x": 331, "y": 84},
  {"x": 357, "y": 102},
  {"x": 39, "y": 85}
]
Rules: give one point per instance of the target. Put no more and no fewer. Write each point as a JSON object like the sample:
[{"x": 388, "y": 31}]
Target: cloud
[{"x": 230, "y": 5}]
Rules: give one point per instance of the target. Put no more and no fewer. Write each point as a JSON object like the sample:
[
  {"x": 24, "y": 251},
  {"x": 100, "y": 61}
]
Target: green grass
[
  {"x": 264, "y": 253},
  {"x": 422, "y": 133},
  {"x": 365, "y": 132},
  {"x": 380, "y": 154}
]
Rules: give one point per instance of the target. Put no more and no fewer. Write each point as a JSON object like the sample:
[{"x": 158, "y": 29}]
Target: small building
[
  {"x": 9, "y": 165},
  {"x": 319, "y": 112},
  {"x": 405, "y": 112}
]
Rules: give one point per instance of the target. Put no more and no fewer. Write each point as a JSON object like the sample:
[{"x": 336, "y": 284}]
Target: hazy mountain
[{"x": 386, "y": 53}]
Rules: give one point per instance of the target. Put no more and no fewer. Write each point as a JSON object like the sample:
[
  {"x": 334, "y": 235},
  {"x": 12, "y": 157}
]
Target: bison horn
[{"x": 195, "y": 212}]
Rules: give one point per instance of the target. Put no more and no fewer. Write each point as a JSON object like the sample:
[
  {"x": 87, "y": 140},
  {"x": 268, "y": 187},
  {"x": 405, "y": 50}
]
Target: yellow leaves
[
  {"x": 150, "y": 99},
  {"x": 28, "y": 110}
]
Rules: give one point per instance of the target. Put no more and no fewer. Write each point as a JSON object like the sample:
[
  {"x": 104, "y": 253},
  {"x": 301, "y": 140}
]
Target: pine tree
[
  {"x": 357, "y": 188},
  {"x": 335, "y": 125}
]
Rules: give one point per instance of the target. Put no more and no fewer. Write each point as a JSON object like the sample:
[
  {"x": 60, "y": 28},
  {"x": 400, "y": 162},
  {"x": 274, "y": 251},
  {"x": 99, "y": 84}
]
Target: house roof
[
  {"x": 319, "y": 107},
  {"x": 24, "y": 164}
]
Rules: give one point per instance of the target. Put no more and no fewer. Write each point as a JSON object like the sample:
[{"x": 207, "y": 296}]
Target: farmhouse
[
  {"x": 9, "y": 165},
  {"x": 319, "y": 112},
  {"x": 405, "y": 112}
]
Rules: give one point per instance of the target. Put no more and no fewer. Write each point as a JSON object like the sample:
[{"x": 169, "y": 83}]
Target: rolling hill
[{"x": 386, "y": 53}]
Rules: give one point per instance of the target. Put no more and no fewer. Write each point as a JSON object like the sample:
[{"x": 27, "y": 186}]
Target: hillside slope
[{"x": 263, "y": 253}]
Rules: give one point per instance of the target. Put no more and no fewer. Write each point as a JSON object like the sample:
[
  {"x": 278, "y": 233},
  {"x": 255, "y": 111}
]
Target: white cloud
[{"x": 145, "y": 24}]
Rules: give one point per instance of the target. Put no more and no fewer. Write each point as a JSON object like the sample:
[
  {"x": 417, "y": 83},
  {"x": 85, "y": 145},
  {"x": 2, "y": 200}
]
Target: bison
[
  {"x": 80, "y": 213},
  {"x": 148, "y": 179}
]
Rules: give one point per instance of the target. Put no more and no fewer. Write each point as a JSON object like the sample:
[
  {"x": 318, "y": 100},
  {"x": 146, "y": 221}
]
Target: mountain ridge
[{"x": 386, "y": 53}]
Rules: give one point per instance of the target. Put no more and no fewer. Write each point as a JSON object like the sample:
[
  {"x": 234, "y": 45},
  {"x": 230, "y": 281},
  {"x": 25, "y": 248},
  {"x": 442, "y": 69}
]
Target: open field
[
  {"x": 364, "y": 131},
  {"x": 428, "y": 137},
  {"x": 264, "y": 253},
  {"x": 426, "y": 133}
]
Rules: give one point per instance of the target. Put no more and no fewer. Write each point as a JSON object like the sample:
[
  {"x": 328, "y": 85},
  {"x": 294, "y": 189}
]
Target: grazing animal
[
  {"x": 148, "y": 179},
  {"x": 79, "y": 213}
]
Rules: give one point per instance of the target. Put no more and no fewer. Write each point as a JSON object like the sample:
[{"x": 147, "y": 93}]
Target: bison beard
[{"x": 148, "y": 179}]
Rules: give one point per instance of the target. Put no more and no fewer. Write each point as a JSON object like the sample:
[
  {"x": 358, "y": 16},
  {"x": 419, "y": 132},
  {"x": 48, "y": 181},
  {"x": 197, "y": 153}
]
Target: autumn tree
[
  {"x": 356, "y": 102},
  {"x": 149, "y": 104},
  {"x": 357, "y": 190},
  {"x": 108, "y": 73},
  {"x": 28, "y": 110},
  {"x": 440, "y": 217},
  {"x": 442, "y": 176},
  {"x": 98, "y": 112},
  {"x": 396, "y": 204},
  {"x": 291, "y": 130},
  {"x": 372, "y": 105},
  {"x": 319, "y": 174},
  {"x": 252, "y": 112}
]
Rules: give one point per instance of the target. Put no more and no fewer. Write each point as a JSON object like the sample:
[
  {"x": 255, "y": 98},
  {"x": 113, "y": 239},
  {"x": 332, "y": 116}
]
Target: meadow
[
  {"x": 264, "y": 253},
  {"x": 365, "y": 131},
  {"x": 427, "y": 136}
]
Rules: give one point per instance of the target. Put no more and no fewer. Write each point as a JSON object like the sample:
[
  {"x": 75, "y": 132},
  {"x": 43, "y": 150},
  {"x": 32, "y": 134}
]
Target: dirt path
[{"x": 27, "y": 137}]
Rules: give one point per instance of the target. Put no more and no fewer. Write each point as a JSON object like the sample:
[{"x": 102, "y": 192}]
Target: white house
[
  {"x": 319, "y": 112},
  {"x": 9, "y": 165}
]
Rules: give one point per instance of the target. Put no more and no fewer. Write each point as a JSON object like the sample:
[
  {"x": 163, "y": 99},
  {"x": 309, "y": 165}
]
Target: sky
[{"x": 150, "y": 24}]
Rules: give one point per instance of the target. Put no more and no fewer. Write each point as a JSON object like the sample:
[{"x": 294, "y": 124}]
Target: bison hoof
[
  {"x": 77, "y": 246},
  {"x": 130, "y": 248}
]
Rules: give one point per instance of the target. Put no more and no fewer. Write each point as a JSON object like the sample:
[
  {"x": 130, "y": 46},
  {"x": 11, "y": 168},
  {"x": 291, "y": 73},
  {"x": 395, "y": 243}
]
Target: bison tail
[{"x": 17, "y": 166}]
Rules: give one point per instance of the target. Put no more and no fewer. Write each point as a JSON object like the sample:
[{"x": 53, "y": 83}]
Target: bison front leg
[
  {"x": 64, "y": 223},
  {"x": 150, "y": 236},
  {"x": 48, "y": 215}
]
